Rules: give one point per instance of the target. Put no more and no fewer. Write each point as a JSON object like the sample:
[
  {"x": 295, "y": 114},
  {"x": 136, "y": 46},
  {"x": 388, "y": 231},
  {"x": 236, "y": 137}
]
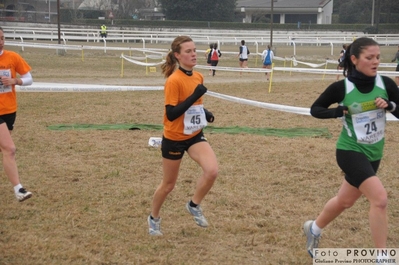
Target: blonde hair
[{"x": 170, "y": 64}]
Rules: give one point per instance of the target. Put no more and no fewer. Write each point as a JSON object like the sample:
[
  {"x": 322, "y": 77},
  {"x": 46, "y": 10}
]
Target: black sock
[
  {"x": 152, "y": 218},
  {"x": 193, "y": 204}
]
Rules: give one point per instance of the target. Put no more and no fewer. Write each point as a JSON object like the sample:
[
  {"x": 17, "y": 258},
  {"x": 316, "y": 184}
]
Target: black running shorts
[
  {"x": 9, "y": 119},
  {"x": 174, "y": 150},
  {"x": 356, "y": 166}
]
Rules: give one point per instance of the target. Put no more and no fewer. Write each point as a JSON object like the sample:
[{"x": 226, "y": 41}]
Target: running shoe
[
  {"x": 312, "y": 240},
  {"x": 23, "y": 194},
  {"x": 196, "y": 212},
  {"x": 154, "y": 227}
]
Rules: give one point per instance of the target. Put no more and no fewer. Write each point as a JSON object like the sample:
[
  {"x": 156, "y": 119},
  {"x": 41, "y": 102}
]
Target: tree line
[
  {"x": 346, "y": 11},
  {"x": 385, "y": 11}
]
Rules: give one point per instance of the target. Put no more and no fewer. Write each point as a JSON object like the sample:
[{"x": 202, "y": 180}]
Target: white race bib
[
  {"x": 5, "y": 89},
  {"x": 369, "y": 126},
  {"x": 194, "y": 119}
]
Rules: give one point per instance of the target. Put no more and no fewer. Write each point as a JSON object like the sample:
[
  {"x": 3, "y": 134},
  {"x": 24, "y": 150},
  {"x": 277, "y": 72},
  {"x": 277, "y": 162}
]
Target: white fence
[
  {"x": 223, "y": 36},
  {"x": 23, "y": 36}
]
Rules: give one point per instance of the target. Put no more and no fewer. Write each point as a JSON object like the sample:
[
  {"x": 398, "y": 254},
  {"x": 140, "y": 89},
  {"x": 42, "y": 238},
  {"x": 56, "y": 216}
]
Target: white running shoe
[
  {"x": 154, "y": 227},
  {"x": 312, "y": 241},
  {"x": 196, "y": 212},
  {"x": 23, "y": 194}
]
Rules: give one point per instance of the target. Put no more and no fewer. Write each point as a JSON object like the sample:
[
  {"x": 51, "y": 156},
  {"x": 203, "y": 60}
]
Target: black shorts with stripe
[{"x": 174, "y": 150}]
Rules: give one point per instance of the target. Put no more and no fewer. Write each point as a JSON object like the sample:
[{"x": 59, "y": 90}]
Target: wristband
[{"x": 393, "y": 107}]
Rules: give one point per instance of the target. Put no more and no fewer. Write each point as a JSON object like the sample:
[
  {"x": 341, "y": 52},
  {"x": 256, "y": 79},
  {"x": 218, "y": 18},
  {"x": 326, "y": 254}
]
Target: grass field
[{"x": 93, "y": 188}]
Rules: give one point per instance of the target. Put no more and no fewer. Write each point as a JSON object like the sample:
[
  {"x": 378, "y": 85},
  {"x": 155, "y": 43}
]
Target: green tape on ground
[{"x": 290, "y": 132}]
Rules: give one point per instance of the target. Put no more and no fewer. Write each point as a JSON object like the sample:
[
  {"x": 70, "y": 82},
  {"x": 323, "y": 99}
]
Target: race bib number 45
[{"x": 194, "y": 119}]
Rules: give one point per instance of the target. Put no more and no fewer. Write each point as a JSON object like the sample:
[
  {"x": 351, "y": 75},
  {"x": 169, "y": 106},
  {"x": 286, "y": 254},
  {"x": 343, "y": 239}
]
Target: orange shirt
[
  {"x": 11, "y": 62},
  {"x": 178, "y": 87}
]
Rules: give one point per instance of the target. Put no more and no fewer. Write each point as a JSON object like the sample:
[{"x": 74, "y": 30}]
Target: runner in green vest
[
  {"x": 363, "y": 98},
  {"x": 103, "y": 31}
]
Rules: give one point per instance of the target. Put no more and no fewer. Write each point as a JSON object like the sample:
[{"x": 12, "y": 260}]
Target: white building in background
[
  {"x": 99, "y": 5},
  {"x": 288, "y": 11}
]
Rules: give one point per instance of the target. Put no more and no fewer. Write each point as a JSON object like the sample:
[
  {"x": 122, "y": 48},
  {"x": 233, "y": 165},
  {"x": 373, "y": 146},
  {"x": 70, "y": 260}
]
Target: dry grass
[{"x": 93, "y": 189}]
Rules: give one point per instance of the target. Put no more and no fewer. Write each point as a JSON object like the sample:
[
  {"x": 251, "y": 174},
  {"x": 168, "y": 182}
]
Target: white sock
[
  {"x": 17, "y": 187},
  {"x": 315, "y": 229}
]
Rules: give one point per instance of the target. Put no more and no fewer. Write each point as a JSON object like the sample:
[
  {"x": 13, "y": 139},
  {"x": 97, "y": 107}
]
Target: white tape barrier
[
  {"x": 49, "y": 46},
  {"x": 235, "y": 69},
  {"x": 328, "y": 61},
  {"x": 142, "y": 58},
  {"x": 332, "y": 61},
  {"x": 313, "y": 65},
  {"x": 308, "y": 70},
  {"x": 264, "y": 70},
  {"x": 271, "y": 106},
  {"x": 135, "y": 60},
  {"x": 83, "y": 47},
  {"x": 286, "y": 69},
  {"x": 155, "y": 57},
  {"x": 56, "y": 87},
  {"x": 295, "y": 62},
  {"x": 388, "y": 65},
  {"x": 388, "y": 73}
]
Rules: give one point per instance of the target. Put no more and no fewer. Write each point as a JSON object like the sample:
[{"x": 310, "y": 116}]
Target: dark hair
[
  {"x": 215, "y": 46},
  {"x": 170, "y": 64},
  {"x": 211, "y": 45},
  {"x": 242, "y": 42},
  {"x": 355, "y": 49}
]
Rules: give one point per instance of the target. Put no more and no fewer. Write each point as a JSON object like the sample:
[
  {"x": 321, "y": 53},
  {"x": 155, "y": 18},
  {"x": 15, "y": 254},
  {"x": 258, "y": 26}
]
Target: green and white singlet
[{"x": 364, "y": 125}]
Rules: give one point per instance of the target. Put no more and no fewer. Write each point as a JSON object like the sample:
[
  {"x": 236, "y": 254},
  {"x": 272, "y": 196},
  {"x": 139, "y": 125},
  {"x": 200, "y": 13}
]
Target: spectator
[{"x": 103, "y": 31}]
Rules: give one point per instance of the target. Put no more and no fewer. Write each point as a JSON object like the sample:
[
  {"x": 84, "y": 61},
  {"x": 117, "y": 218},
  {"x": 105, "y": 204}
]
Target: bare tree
[
  {"x": 97, "y": 5},
  {"x": 126, "y": 8}
]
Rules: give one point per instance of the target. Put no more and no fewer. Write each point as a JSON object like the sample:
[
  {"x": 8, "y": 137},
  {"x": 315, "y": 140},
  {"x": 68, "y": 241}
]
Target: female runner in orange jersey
[{"x": 184, "y": 119}]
